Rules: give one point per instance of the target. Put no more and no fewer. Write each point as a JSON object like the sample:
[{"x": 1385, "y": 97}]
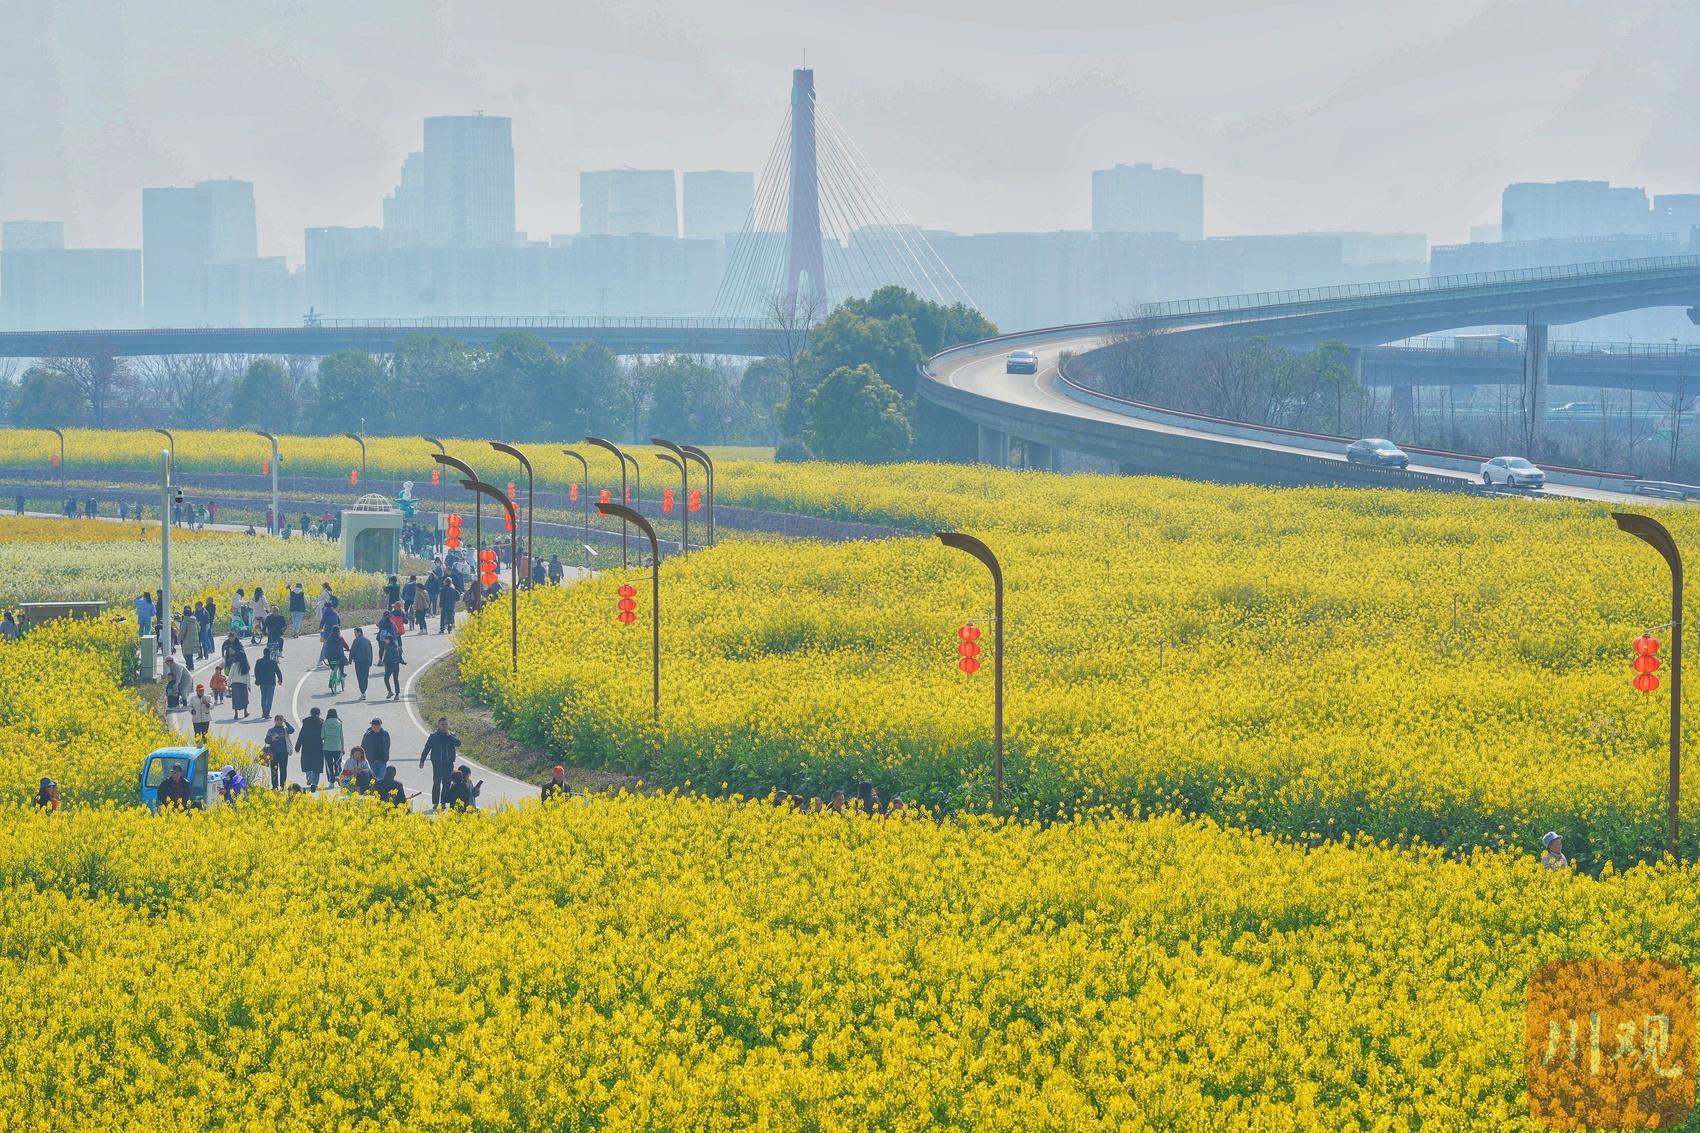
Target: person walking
[
  {"x": 262, "y": 610},
  {"x": 557, "y": 572},
  {"x": 331, "y": 743},
  {"x": 268, "y": 674},
  {"x": 144, "y": 614},
  {"x": 218, "y": 685},
  {"x": 240, "y": 678},
  {"x": 297, "y": 608},
  {"x": 446, "y": 599},
  {"x": 434, "y": 583},
  {"x": 309, "y": 743},
  {"x": 232, "y": 650},
  {"x": 392, "y": 592},
  {"x": 360, "y": 656},
  {"x": 275, "y": 748},
  {"x": 441, "y": 749},
  {"x": 188, "y": 634},
  {"x": 200, "y": 711},
  {"x": 274, "y": 626},
  {"x": 204, "y": 620},
  {"x": 376, "y": 741},
  {"x": 392, "y": 665}
]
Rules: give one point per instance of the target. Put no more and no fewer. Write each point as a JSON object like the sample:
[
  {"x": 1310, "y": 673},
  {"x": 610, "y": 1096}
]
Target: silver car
[
  {"x": 1513, "y": 472},
  {"x": 1377, "y": 450},
  {"x": 1021, "y": 362}
]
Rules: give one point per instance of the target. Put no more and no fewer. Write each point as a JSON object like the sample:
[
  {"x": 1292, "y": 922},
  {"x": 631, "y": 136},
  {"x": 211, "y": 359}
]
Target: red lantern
[
  {"x": 454, "y": 522},
  {"x": 265, "y": 467},
  {"x": 667, "y": 501},
  {"x": 605, "y": 497},
  {"x": 969, "y": 664},
  {"x": 627, "y": 493},
  {"x": 1645, "y": 644},
  {"x": 452, "y": 542},
  {"x": 55, "y": 459},
  {"x": 696, "y": 499},
  {"x": 508, "y": 522},
  {"x": 354, "y": 475},
  {"x": 628, "y": 604},
  {"x": 969, "y": 633},
  {"x": 572, "y": 493},
  {"x": 1645, "y": 663},
  {"x": 1646, "y": 682},
  {"x": 436, "y": 475},
  {"x": 968, "y": 649},
  {"x": 510, "y": 489}
]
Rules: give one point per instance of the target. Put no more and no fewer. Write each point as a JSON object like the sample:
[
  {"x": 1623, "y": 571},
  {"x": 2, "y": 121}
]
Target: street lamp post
[
  {"x": 615, "y": 449},
  {"x": 164, "y": 611},
  {"x": 357, "y": 439},
  {"x": 60, "y": 433},
  {"x": 684, "y": 497},
  {"x": 631, "y": 516},
  {"x": 465, "y": 469},
  {"x": 442, "y": 489},
  {"x": 707, "y": 463},
  {"x": 1653, "y": 533},
  {"x": 580, "y": 458},
  {"x": 166, "y": 433},
  {"x": 481, "y": 489},
  {"x": 275, "y": 516},
  {"x": 530, "y": 493},
  {"x": 980, "y": 551}
]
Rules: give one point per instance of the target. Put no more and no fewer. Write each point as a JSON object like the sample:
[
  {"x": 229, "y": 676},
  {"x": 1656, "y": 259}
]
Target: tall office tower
[
  {"x": 629, "y": 202},
  {"x": 232, "y": 232},
  {"x": 1565, "y": 210},
  {"x": 404, "y": 209},
  {"x": 1138, "y": 198},
  {"x": 717, "y": 202},
  {"x": 32, "y": 236},
  {"x": 469, "y": 182}
]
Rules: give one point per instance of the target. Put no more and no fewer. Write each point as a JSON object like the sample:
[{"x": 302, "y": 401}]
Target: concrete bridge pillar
[
  {"x": 993, "y": 447},
  {"x": 1404, "y": 405},
  {"x": 1046, "y": 458},
  {"x": 1534, "y": 383}
]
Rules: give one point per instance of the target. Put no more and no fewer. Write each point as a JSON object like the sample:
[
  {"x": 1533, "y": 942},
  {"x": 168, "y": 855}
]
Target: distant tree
[
  {"x": 936, "y": 325},
  {"x": 604, "y": 391},
  {"x": 847, "y": 339},
  {"x": 856, "y": 416},
  {"x": 104, "y": 383},
  {"x": 762, "y": 390},
  {"x": 192, "y": 390},
  {"x": 354, "y": 394},
  {"x": 264, "y": 397},
  {"x": 692, "y": 402},
  {"x": 528, "y": 387},
  {"x": 436, "y": 382},
  {"x": 791, "y": 321},
  {"x": 45, "y": 397}
]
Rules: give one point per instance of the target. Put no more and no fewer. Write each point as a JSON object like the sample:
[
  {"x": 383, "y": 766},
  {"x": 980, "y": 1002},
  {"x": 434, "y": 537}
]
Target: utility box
[{"x": 371, "y": 535}]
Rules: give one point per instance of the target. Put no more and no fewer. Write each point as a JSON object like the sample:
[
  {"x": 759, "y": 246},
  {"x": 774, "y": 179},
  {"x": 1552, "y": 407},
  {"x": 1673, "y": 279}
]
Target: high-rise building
[
  {"x": 469, "y": 182},
  {"x": 404, "y": 209},
  {"x": 629, "y": 202},
  {"x": 1139, "y": 198},
  {"x": 717, "y": 203},
  {"x": 1567, "y": 210},
  {"x": 184, "y": 232},
  {"x": 47, "y": 286},
  {"x": 32, "y": 235},
  {"x": 232, "y": 231}
]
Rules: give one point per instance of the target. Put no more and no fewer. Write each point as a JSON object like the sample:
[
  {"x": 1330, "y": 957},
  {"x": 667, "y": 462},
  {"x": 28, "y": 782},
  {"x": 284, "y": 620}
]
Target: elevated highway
[{"x": 1051, "y": 411}]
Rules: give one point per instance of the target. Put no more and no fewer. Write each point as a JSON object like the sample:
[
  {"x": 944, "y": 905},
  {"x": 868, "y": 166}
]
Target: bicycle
[{"x": 338, "y": 680}]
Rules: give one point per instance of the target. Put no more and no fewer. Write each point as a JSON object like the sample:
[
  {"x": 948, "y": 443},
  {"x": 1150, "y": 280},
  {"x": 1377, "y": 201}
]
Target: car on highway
[
  {"x": 1377, "y": 450},
  {"x": 1513, "y": 472},
  {"x": 1021, "y": 362},
  {"x": 1576, "y": 409}
]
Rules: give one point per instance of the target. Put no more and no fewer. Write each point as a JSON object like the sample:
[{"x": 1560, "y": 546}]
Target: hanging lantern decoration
[
  {"x": 1646, "y": 662},
  {"x": 436, "y": 476},
  {"x": 667, "y": 501},
  {"x": 453, "y": 539},
  {"x": 605, "y": 497},
  {"x": 265, "y": 467},
  {"x": 508, "y": 522},
  {"x": 695, "y": 499},
  {"x": 627, "y": 493},
  {"x": 511, "y": 490},
  {"x": 487, "y": 566},
  {"x": 628, "y": 604},
  {"x": 354, "y": 476},
  {"x": 968, "y": 649},
  {"x": 55, "y": 458},
  {"x": 572, "y": 493}
]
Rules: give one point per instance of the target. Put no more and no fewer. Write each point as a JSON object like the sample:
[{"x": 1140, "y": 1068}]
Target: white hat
[{"x": 1549, "y": 838}]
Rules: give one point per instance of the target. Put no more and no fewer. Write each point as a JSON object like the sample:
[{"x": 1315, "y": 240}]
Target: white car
[
  {"x": 1021, "y": 362},
  {"x": 1513, "y": 472}
]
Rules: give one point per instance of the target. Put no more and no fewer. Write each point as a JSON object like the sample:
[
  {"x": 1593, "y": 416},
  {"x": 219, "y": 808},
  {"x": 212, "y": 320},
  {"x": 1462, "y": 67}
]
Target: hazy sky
[{"x": 980, "y": 115}]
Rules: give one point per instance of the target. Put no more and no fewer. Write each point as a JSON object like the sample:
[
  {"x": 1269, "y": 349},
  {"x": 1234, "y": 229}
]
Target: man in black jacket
[
  {"x": 389, "y": 788},
  {"x": 174, "y": 791},
  {"x": 446, "y": 599},
  {"x": 556, "y": 788},
  {"x": 360, "y": 655},
  {"x": 232, "y": 650},
  {"x": 441, "y": 747},
  {"x": 276, "y": 749},
  {"x": 376, "y": 741},
  {"x": 268, "y": 674}
]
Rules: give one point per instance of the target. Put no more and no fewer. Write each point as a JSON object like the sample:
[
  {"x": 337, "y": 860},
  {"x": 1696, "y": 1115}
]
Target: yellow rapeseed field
[
  {"x": 1306, "y": 661},
  {"x": 671, "y": 964}
]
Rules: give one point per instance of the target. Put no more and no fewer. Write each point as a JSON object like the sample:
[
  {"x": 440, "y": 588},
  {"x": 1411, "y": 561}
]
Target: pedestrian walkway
[{"x": 305, "y": 688}]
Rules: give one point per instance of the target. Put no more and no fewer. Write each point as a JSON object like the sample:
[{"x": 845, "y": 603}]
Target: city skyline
[{"x": 1290, "y": 110}]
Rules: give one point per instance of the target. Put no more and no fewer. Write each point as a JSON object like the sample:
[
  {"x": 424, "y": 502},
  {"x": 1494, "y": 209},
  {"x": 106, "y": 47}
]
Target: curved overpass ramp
[{"x": 1051, "y": 412}]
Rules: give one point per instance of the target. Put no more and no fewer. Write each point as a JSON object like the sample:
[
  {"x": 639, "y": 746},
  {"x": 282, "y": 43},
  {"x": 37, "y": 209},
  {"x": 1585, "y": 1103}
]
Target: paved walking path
[{"x": 305, "y": 688}]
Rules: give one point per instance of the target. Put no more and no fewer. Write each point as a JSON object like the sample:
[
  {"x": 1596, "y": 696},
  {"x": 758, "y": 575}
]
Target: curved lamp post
[
  {"x": 980, "y": 551},
  {"x": 357, "y": 439},
  {"x": 276, "y": 518},
  {"x": 1653, "y": 533},
  {"x": 465, "y": 469},
  {"x": 707, "y": 463},
  {"x": 530, "y": 493},
  {"x": 620, "y": 454},
  {"x": 166, "y": 619},
  {"x": 60, "y": 433},
  {"x": 684, "y": 497},
  {"x": 631, "y": 516},
  {"x": 578, "y": 456},
  {"x": 481, "y": 489}
]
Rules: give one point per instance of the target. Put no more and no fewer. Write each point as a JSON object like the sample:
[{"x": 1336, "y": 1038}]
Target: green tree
[
  {"x": 847, "y": 339},
  {"x": 264, "y": 397},
  {"x": 354, "y": 394},
  {"x": 936, "y": 325},
  {"x": 529, "y": 388},
  {"x": 856, "y": 417},
  {"x": 692, "y": 402},
  {"x": 603, "y": 389},
  {"x": 44, "y": 397},
  {"x": 762, "y": 391},
  {"x": 436, "y": 380}
]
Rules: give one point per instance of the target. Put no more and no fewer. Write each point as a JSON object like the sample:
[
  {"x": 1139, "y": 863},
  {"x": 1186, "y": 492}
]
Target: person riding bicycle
[{"x": 336, "y": 656}]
